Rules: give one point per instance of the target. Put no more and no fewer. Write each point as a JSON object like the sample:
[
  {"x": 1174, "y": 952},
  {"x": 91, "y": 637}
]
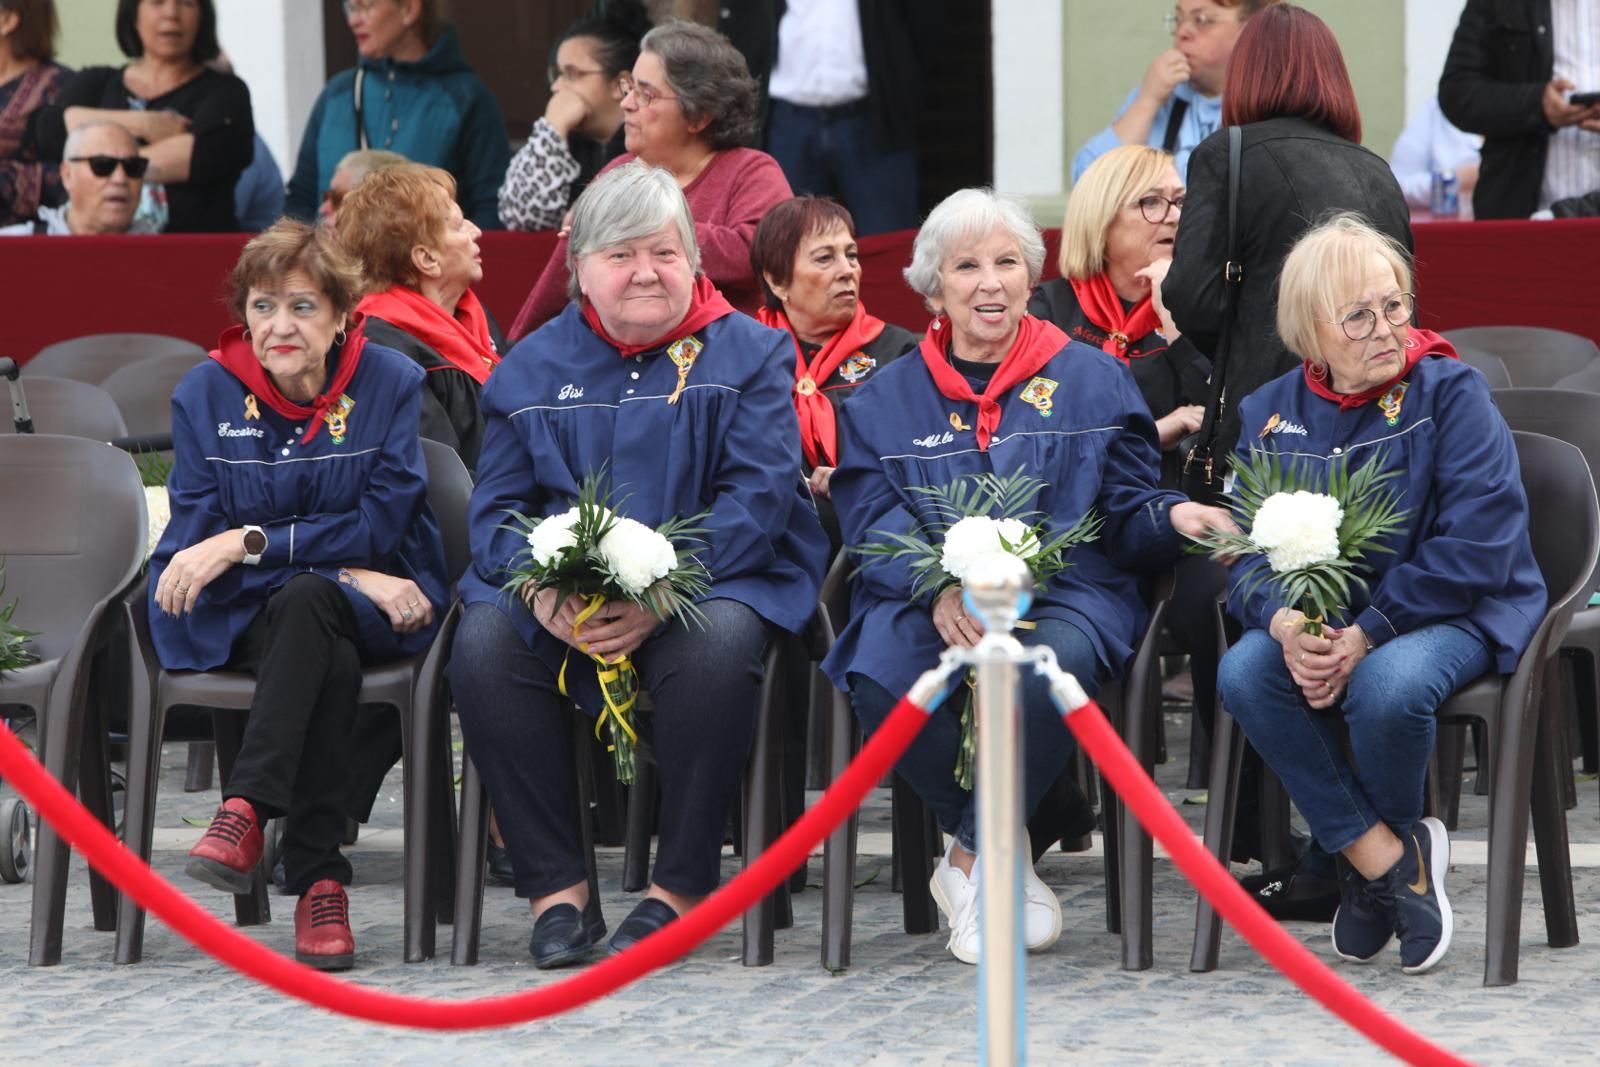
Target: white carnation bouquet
[
  {"x": 976, "y": 516},
  {"x": 593, "y": 551},
  {"x": 1315, "y": 537},
  {"x": 154, "y": 470}
]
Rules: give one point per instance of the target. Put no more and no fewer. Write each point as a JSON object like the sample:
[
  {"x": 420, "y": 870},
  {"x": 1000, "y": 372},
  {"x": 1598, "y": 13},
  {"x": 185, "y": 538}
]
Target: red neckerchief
[
  {"x": 1036, "y": 344},
  {"x": 1419, "y": 343},
  {"x": 462, "y": 339},
  {"x": 235, "y": 353},
  {"x": 819, "y": 429},
  {"x": 706, "y": 305},
  {"x": 1103, "y": 306}
]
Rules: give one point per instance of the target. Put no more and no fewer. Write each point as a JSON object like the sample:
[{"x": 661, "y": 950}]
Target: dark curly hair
[{"x": 711, "y": 79}]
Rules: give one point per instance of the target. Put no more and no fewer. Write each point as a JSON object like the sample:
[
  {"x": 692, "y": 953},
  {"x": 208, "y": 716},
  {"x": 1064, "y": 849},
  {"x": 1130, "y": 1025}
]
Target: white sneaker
[
  {"x": 1041, "y": 909},
  {"x": 957, "y": 897}
]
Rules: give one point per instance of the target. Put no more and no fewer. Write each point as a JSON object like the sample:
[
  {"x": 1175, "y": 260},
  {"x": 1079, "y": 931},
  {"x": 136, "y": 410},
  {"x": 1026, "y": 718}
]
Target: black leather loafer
[
  {"x": 649, "y": 916},
  {"x": 563, "y": 936}
]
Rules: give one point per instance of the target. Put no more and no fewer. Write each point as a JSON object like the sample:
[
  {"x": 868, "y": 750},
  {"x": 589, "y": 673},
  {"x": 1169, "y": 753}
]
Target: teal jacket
[{"x": 435, "y": 111}]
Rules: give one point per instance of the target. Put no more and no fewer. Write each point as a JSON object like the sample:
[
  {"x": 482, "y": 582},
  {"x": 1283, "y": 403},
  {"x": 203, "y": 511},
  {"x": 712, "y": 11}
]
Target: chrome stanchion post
[{"x": 998, "y": 591}]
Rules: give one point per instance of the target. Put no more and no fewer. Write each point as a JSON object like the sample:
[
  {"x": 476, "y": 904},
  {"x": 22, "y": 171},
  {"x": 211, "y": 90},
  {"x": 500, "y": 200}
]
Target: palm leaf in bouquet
[
  {"x": 599, "y": 555},
  {"x": 973, "y": 516},
  {"x": 14, "y": 651},
  {"x": 1313, "y": 532}
]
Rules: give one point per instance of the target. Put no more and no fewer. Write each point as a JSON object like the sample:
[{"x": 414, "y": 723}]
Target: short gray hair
[
  {"x": 625, "y": 204},
  {"x": 711, "y": 79},
  {"x": 967, "y": 215},
  {"x": 75, "y": 139}
]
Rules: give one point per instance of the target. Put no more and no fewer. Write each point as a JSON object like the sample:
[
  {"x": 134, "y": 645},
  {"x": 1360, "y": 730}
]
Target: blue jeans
[
  {"x": 930, "y": 763},
  {"x": 1389, "y": 707},
  {"x": 518, "y": 729},
  {"x": 828, "y": 151}
]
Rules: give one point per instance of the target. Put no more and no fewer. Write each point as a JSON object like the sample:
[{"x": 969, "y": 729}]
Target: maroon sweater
[{"x": 727, "y": 199}]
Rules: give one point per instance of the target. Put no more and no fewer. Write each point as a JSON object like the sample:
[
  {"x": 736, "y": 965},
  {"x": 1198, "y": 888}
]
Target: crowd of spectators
[{"x": 799, "y": 423}]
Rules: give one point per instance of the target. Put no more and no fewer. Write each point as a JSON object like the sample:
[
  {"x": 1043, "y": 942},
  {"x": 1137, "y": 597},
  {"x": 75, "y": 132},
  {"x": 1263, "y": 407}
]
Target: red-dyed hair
[
  {"x": 778, "y": 236},
  {"x": 1287, "y": 64}
]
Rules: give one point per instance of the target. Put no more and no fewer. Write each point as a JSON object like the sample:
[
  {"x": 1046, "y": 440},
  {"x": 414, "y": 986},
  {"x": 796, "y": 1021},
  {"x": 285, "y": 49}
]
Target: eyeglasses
[
  {"x": 570, "y": 74},
  {"x": 1200, "y": 20},
  {"x": 1155, "y": 208},
  {"x": 352, "y": 8},
  {"x": 102, "y": 166},
  {"x": 646, "y": 95},
  {"x": 1360, "y": 324}
]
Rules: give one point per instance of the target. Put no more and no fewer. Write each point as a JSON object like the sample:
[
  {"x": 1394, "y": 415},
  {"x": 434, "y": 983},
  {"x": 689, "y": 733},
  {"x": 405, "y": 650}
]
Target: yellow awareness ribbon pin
[{"x": 252, "y": 410}]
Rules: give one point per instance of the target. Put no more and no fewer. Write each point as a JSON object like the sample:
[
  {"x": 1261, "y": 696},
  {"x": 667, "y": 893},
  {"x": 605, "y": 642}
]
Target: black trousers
[
  {"x": 295, "y": 759},
  {"x": 518, "y": 730}
]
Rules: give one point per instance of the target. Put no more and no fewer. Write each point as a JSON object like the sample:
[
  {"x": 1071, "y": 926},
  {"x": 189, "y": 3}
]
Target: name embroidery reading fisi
[{"x": 570, "y": 392}]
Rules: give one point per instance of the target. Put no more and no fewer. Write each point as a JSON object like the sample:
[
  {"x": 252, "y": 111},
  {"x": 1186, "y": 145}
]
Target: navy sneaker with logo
[
  {"x": 1364, "y": 924},
  {"x": 1415, "y": 886}
]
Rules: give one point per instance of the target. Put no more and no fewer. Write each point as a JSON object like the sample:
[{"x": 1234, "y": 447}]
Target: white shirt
[
  {"x": 1572, "y": 167},
  {"x": 821, "y": 62},
  {"x": 1429, "y": 143}
]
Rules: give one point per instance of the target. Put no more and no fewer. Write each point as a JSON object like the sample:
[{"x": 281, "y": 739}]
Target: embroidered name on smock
[
  {"x": 934, "y": 440},
  {"x": 570, "y": 392},
  {"x": 1279, "y": 424},
  {"x": 225, "y": 429}
]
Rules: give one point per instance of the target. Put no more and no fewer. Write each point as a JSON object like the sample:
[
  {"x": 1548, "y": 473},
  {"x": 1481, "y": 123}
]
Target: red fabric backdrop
[{"x": 52, "y": 289}]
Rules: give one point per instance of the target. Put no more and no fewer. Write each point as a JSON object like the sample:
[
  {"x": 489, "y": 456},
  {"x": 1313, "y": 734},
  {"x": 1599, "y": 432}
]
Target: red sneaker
[
  {"x": 229, "y": 850},
  {"x": 322, "y": 937}
]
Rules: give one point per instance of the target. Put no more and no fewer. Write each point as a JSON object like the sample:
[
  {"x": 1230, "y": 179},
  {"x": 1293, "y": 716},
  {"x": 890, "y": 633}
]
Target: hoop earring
[
  {"x": 1316, "y": 371},
  {"x": 340, "y": 338},
  {"x": 246, "y": 334}
]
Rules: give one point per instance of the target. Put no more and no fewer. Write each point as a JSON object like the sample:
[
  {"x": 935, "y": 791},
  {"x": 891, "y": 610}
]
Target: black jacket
[
  {"x": 1292, "y": 175},
  {"x": 450, "y": 411},
  {"x": 1500, "y": 60}
]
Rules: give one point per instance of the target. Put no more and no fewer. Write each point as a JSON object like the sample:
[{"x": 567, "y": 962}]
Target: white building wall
[
  {"x": 1028, "y": 117},
  {"x": 1429, "y": 26},
  {"x": 276, "y": 46}
]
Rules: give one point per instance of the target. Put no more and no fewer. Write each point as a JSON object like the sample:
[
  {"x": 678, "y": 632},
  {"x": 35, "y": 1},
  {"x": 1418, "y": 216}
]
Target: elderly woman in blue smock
[
  {"x": 652, "y": 377},
  {"x": 1459, "y": 593},
  {"x": 992, "y": 389},
  {"x": 300, "y": 547}
]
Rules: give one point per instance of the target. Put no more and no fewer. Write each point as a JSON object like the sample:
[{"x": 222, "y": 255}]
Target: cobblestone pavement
[{"x": 904, "y": 999}]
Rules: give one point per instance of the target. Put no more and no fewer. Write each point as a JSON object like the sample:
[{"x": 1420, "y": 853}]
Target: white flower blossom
[
  {"x": 1297, "y": 529},
  {"x": 160, "y": 512},
  {"x": 978, "y": 535},
  {"x": 552, "y": 537},
  {"x": 636, "y": 555}
]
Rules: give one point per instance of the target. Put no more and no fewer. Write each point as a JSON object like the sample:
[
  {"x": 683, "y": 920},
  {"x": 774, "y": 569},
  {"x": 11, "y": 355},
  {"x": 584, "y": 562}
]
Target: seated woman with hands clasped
[
  {"x": 301, "y": 546},
  {"x": 650, "y": 377},
  {"x": 1458, "y": 594},
  {"x": 993, "y": 390}
]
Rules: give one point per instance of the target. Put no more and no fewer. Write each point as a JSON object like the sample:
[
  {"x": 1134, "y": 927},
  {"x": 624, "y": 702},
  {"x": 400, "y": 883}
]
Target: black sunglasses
[{"x": 102, "y": 166}]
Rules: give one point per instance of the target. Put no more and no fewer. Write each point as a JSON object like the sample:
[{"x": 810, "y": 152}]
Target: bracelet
[{"x": 346, "y": 578}]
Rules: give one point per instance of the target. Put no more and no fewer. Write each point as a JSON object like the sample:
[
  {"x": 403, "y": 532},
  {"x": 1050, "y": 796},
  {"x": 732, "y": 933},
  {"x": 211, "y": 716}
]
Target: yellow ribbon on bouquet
[{"x": 619, "y": 692}]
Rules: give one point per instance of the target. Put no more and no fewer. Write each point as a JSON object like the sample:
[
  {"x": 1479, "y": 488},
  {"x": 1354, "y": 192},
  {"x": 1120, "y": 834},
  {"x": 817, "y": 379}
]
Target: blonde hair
[
  {"x": 1107, "y": 185},
  {"x": 1322, "y": 271}
]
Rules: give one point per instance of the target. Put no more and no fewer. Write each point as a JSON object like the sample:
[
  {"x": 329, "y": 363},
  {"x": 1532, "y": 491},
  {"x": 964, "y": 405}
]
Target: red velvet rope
[
  {"x": 1288, "y": 955},
  {"x": 209, "y": 934}
]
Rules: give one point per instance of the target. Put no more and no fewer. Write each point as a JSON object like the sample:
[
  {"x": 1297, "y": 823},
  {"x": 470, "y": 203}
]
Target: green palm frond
[{"x": 14, "y": 651}]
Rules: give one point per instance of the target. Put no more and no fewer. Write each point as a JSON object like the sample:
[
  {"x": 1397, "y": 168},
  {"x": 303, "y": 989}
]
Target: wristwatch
[{"x": 255, "y": 543}]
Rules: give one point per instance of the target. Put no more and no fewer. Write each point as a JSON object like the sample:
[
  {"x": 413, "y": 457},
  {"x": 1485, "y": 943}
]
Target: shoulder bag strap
[
  {"x": 1232, "y": 276},
  {"x": 361, "y": 126},
  {"x": 1180, "y": 108}
]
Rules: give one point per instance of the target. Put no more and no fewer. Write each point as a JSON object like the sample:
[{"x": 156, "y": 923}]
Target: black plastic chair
[
  {"x": 73, "y": 533},
  {"x": 406, "y": 685},
  {"x": 1564, "y": 526},
  {"x": 94, "y": 357},
  {"x": 1533, "y": 355}
]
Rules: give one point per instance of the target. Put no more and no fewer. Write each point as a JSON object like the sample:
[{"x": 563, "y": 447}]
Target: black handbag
[{"x": 1203, "y": 470}]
